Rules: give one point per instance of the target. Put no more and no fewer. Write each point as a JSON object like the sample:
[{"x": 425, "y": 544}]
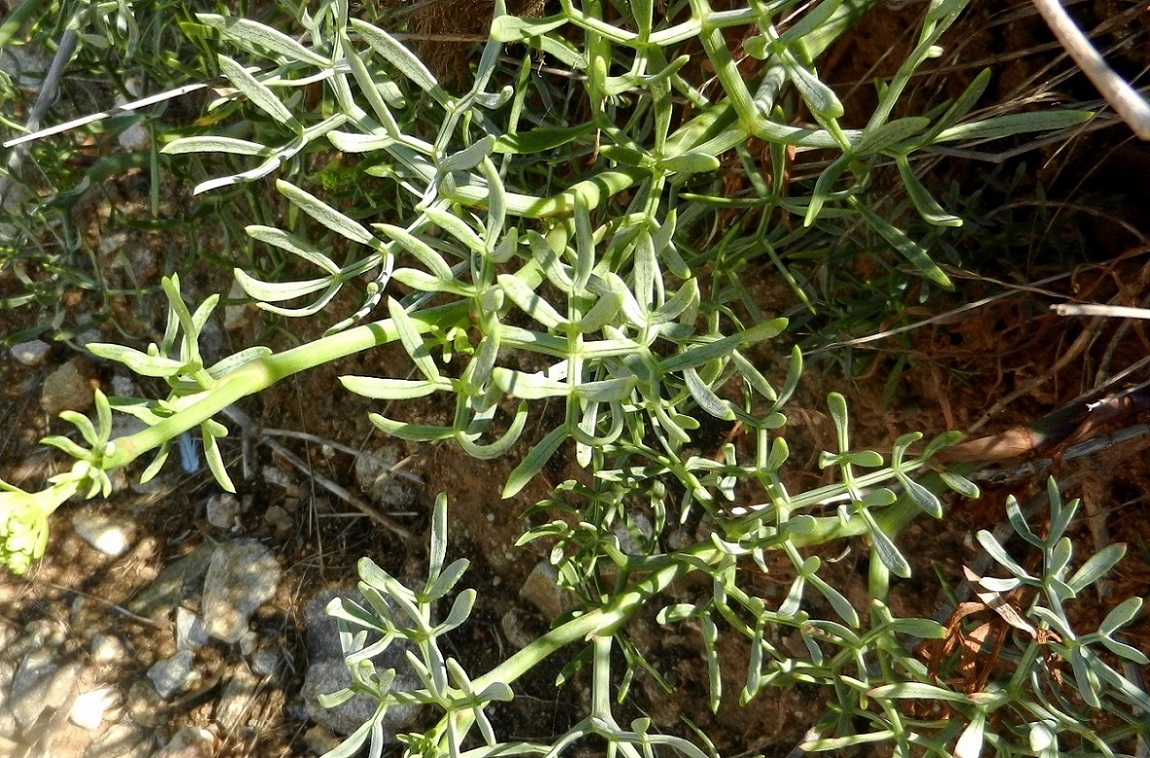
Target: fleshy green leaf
[
  {"x": 1119, "y": 616},
  {"x": 399, "y": 56},
  {"x": 249, "y": 33},
  {"x": 534, "y": 462},
  {"x": 877, "y": 139},
  {"x": 1097, "y": 566},
  {"x": 412, "y": 341},
  {"x": 260, "y": 94},
  {"x": 1014, "y": 123},
  {"x": 903, "y": 245},
  {"x": 216, "y": 144},
  {"x": 539, "y": 140}
]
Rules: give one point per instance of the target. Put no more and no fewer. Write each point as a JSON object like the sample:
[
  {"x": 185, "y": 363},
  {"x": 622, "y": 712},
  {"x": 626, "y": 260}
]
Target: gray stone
[
  {"x": 189, "y": 742},
  {"x": 88, "y": 336},
  {"x": 382, "y": 481},
  {"x": 190, "y": 632},
  {"x": 242, "y": 576},
  {"x": 26, "y": 64},
  {"x": 124, "y": 425},
  {"x": 88, "y": 709},
  {"x": 222, "y": 510},
  {"x": 236, "y": 700},
  {"x": 41, "y": 684},
  {"x": 516, "y": 627},
  {"x": 248, "y": 643},
  {"x": 114, "y": 241},
  {"x": 143, "y": 261},
  {"x": 32, "y": 353},
  {"x": 321, "y": 630},
  {"x": 124, "y": 386},
  {"x": 211, "y": 341},
  {"x": 8, "y": 635},
  {"x": 328, "y": 674},
  {"x": 136, "y": 138},
  {"x": 124, "y": 740},
  {"x": 277, "y": 476},
  {"x": 30, "y": 685},
  {"x": 238, "y": 313},
  {"x": 265, "y": 662},
  {"x": 63, "y": 685},
  {"x": 628, "y": 539},
  {"x": 172, "y": 676},
  {"x": 175, "y": 583},
  {"x": 48, "y": 633},
  {"x": 108, "y": 534},
  {"x": 541, "y": 589},
  {"x": 8, "y": 724},
  {"x": 7, "y": 671}
]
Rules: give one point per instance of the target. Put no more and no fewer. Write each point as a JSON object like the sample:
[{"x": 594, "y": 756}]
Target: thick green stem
[
  {"x": 261, "y": 373},
  {"x": 598, "y": 622},
  {"x": 605, "y": 621}
]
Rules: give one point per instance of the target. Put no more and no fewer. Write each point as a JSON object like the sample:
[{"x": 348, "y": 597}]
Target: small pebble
[
  {"x": 135, "y": 138},
  {"x": 248, "y": 642},
  {"x": 172, "y": 676},
  {"x": 243, "y": 575},
  {"x": 190, "y": 633},
  {"x": 111, "y": 536},
  {"x": 125, "y": 740},
  {"x": 106, "y": 649},
  {"x": 30, "y": 685},
  {"x": 265, "y": 662},
  {"x": 279, "y": 520},
  {"x": 237, "y": 315},
  {"x": 541, "y": 589},
  {"x": 123, "y": 386},
  {"x": 66, "y": 388},
  {"x": 516, "y": 628},
  {"x": 223, "y": 510},
  {"x": 46, "y": 633},
  {"x": 88, "y": 709},
  {"x": 88, "y": 336},
  {"x": 235, "y": 703},
  {"x": 32, "y": 353}
]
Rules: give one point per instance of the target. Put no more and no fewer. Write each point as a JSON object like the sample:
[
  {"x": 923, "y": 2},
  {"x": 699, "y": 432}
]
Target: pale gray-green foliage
[{"x": 562, "y": 244}]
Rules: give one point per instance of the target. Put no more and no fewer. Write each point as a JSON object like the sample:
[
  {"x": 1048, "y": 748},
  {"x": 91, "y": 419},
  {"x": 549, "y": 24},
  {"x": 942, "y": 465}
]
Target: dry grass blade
[
  {"x": 1108, "y": 311},
  {"x": 1125, "y": 100}
]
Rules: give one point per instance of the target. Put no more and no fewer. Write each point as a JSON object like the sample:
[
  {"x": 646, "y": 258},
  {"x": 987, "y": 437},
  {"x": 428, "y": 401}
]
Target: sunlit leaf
[{"x": 260, "y": 94}]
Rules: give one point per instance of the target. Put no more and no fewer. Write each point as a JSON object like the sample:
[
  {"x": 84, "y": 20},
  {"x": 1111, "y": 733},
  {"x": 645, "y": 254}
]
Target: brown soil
[{"x": 981, "y": 371}]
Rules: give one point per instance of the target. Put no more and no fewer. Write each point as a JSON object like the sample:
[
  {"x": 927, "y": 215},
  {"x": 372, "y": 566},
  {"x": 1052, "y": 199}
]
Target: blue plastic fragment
[{"x": 189, "y": 458}]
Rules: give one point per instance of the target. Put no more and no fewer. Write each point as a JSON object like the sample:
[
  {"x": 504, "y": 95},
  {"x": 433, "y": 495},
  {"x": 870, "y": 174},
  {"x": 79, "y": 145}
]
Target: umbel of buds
[{"x": 24, "y": 517}]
